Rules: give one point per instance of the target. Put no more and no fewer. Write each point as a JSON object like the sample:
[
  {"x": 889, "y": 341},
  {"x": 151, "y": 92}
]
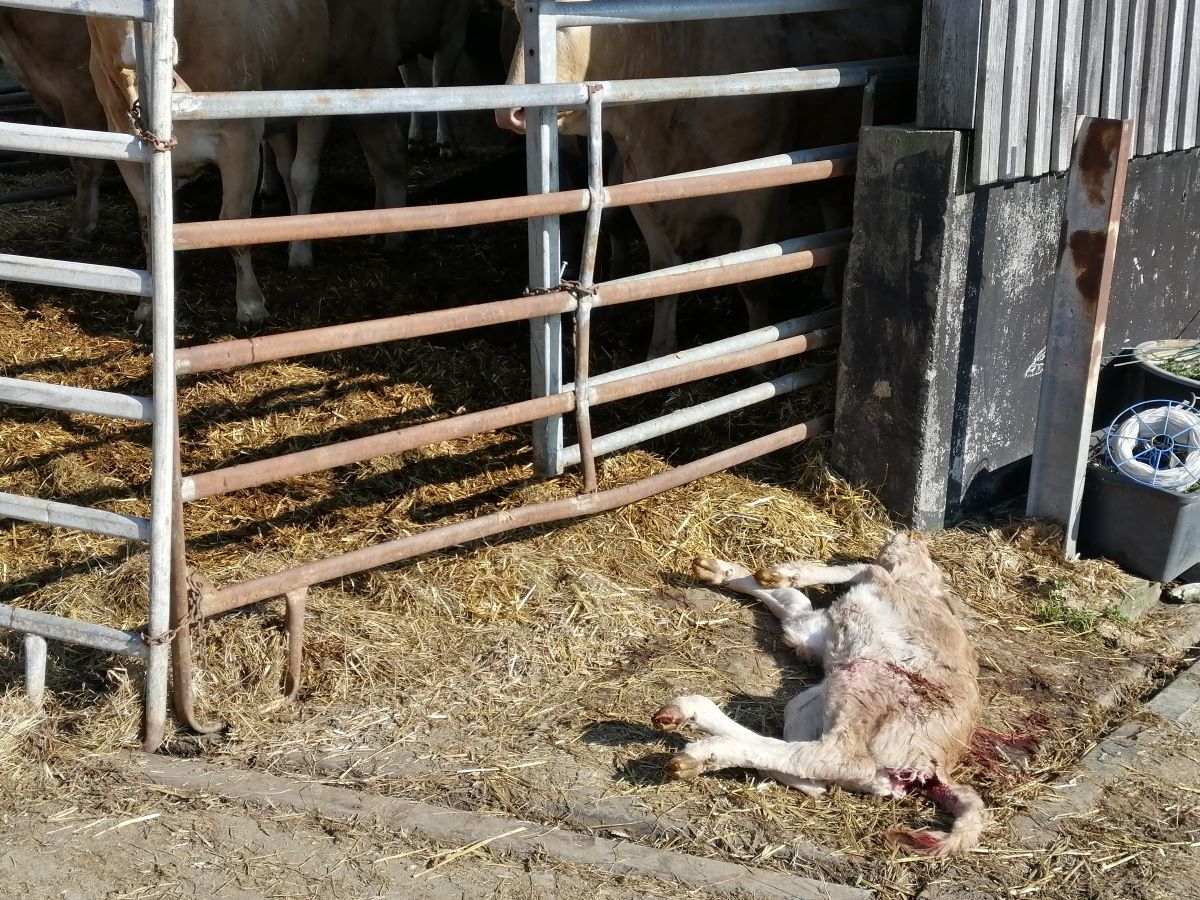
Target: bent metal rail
[{"x": 187, "y": 596}]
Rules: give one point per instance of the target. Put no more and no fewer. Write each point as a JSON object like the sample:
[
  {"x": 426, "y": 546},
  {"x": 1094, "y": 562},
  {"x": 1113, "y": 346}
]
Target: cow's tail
[{"x": 960, "y": 802}]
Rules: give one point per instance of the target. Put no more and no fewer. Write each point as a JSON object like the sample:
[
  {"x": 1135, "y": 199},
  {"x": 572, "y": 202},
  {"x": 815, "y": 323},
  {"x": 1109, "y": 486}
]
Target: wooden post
[{"x": 1095, "y": 191}]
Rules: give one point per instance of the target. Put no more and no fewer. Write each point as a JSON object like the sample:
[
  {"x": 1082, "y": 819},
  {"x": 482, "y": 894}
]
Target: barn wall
[{"x": 947, "y": 299}]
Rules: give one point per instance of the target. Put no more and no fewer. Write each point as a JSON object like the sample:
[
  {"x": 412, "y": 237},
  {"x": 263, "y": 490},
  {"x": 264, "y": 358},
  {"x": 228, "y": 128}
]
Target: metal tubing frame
[
  {"x": 163, "y": 442},
  {"x": 249, "y": 351},
  {"x": 35, "y": 668},
  {"x": 693, "y": 415},
  {"x": 68, "y": 515},
  {"x": 57, "y": 141},
  {"x": 65, "y": 398},
  {"x": 72, "y": 631},
  {"x": 778, "y": 171},
  {"x": 304, "y": 462},
  {"x": 240, "y": 595},
  {"x": 545, "y": 272},
  {"x": 113, "y": 9},
  {"x": 82, "y": 276},
  {"x": 633, "y": 12},
  {"x": 562, "y": 95}
]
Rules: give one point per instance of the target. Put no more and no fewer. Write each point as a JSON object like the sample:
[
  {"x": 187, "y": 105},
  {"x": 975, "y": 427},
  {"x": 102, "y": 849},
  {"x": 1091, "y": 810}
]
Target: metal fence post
[
  {"x": 546, "y": 355},
  {"x": 1078, "y": 312},
  {"x": 162, "y": 267}
]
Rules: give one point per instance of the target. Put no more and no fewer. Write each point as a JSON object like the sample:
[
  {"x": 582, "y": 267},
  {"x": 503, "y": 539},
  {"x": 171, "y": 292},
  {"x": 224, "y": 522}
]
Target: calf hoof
[
  {"x": 682, "y": 767},
  {"x": 711, "y": 570},
  {"x": 772, "y": 578},
  {"x": 669, "y": 718},
  {"x": 447, "y": 151}
]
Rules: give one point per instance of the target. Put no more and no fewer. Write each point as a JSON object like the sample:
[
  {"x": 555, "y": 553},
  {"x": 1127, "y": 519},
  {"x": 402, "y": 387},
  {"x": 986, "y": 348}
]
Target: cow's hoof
[
  {"x": 772, "y": 577},
  {"x": 669, "y": 718},
  {"x": 711, "y": 570},
  {"x": 447, "y": 151},
  {"x": 682, "y": 767},
  {"x": 300, "y": 256},
  {"x": 251, "y": 315}
]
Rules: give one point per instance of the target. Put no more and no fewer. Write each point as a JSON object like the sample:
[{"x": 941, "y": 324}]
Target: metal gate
[{"x": 187, "y": 596}]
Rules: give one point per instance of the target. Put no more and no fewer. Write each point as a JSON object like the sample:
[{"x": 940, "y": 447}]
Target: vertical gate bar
[
  {"x": 1075, "y": 342},
  {"x": 184, "y": 609},
  {"x": 583, "y": 398},
  {"x": 587, "y": 277},
  {"x": 162, "y": 269},
  {"x": 541, "y": 148},
  {"x": 293, "y": 622},
  {"x": 35, "y": 668}
]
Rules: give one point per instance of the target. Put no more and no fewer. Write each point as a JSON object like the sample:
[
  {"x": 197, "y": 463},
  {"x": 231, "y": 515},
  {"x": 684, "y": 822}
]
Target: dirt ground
[{"x": 512, "y": 678}]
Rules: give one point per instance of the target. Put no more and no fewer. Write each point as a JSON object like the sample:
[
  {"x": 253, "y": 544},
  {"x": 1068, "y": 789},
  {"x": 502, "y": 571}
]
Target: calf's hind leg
[{"x": 702, "y": 713}]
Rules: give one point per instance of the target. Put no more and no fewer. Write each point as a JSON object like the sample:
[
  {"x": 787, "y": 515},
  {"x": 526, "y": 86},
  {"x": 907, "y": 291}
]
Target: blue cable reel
[{"x": 1157, "y": 442}]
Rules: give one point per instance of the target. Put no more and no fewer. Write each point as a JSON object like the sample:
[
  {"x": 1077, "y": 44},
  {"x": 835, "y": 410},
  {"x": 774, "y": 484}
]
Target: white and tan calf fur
[{"x": 899, "y": 701}]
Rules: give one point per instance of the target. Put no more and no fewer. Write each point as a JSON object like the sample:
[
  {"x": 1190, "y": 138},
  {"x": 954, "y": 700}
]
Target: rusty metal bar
[
  {"x": 1095, "y": 192},
  {"x": 239, "y": 595},
  {"x": 583, "y": 396},
  {"x": 318, "y": 459},
  {"x": 295, "y": 603},
  {"x": 183, "y": 597},
  {"x": 231, "y": 354},
  {"x": 277, "y": 229},
  {"x": 587, "y": 274}
]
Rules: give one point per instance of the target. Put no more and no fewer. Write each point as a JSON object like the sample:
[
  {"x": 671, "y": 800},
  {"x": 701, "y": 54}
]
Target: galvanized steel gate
[{"x": 177, "y": 601}]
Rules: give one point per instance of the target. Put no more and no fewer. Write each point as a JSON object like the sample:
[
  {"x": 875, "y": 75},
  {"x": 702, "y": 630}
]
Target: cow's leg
[
  {"x": 86, "y": 214},
  {"x": 281, "y": 148},
  {"x": 702, "y": 713},
  {"x": 237, "y": 157},
  {"x": 804, "y": 629},
  {"x": 414, "y": 77},
  {"x": 382, "y": 140},
  {"x": 134, "y": 175},
  {"x": 445, "y": 64},
  {"x": 663, "y": 339},
  {"x": 272, "y": 183},
  {"x": 304, "y": 174}
]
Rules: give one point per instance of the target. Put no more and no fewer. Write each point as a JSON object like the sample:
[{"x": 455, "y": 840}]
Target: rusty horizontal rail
[
  {"x": 319, "y": 459},
  {"x": 215, "y": 602},
  {"x": 277, "y": 229},
  {"x": 248, "y": 351}
]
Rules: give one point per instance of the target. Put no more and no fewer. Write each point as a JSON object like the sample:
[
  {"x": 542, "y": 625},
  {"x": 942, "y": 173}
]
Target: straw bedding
[{"x": 516, "y": 675}]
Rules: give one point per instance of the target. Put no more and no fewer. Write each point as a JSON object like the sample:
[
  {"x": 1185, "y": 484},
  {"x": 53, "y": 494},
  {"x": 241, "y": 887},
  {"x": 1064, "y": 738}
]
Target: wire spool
[{"x": 1157, "y": 443}]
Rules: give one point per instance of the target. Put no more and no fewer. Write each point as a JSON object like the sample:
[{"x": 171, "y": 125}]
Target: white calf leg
[
  {"x": 804, "y": 629},
  {"x": 702, "y": 713},
  {"x": 823, "y": 760},
  {"x": 801, "y": 574}
]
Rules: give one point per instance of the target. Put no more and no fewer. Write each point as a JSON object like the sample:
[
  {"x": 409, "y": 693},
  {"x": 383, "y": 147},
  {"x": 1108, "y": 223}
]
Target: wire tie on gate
[
  {"x": 148, "y": 137},
  {"x": 576, "y": 289},
  {"x": 196, "y": 586}
]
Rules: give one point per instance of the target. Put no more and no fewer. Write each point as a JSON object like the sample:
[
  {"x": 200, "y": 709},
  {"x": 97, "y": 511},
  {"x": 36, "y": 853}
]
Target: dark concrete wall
[{"x": 962, "y": 384}]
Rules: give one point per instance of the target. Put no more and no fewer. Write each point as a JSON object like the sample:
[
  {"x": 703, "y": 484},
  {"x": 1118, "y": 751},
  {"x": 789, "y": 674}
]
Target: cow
[
  {"x": 657, "y": 139},
  {"x": 436, "y": 30},
  {"x": 48, "y": 54},
  {"x": 227, "y": 45},
  {"x": 900, "y": 697}
]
